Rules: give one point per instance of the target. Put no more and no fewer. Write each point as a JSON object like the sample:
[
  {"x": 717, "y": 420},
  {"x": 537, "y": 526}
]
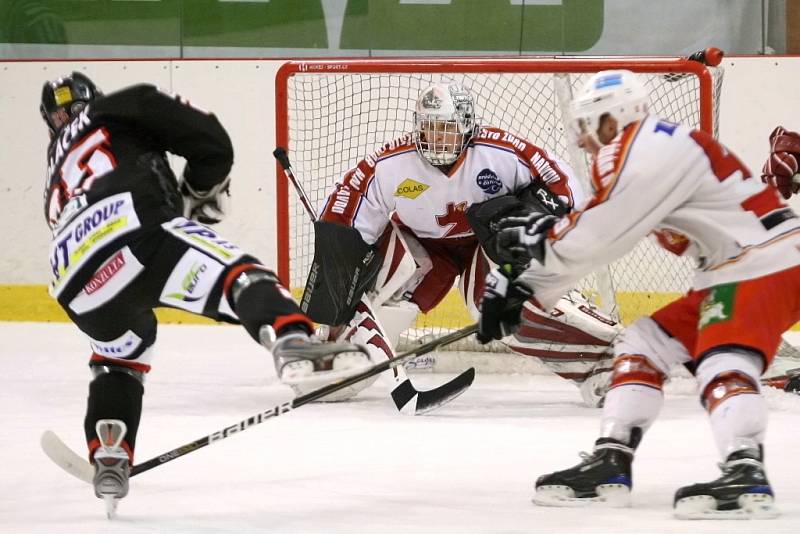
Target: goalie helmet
[
  {"x": 64, "y": 98},
  {"x": 616, "y": 93},
  {"x": 444, "y": 122}
]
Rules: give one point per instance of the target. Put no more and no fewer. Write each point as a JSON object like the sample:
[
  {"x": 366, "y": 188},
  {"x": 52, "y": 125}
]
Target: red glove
[{"x": 780, "y": 169}]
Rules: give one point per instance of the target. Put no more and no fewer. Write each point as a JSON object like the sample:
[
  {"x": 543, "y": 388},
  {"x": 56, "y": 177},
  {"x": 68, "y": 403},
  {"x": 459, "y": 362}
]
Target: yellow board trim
[{"x": 32, "y": 303}]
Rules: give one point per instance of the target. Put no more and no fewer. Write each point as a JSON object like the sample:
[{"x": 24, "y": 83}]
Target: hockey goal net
[{"x": 331, "y": 114}]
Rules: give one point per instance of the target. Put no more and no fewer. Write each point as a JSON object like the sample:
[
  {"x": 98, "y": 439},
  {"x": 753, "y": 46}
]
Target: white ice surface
[{"x": 355, "y": 467}]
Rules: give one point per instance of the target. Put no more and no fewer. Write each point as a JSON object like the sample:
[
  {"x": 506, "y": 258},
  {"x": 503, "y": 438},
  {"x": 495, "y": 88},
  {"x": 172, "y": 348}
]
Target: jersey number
[
  {"x": 87, "y": 161},
  {"x": 724, "y": 164}
]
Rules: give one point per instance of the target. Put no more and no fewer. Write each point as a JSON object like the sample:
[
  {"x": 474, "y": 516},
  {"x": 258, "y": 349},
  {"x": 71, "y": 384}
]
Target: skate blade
[
  {"x": 751, "y": 506},
  {"x": 608, "y": 496},
  {"x": 111, "y": 503}
]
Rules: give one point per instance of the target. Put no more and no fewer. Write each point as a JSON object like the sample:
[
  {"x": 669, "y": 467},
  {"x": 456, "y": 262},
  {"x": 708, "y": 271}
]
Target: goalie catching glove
[
  {"x": 207, "y": 207},
  {"x": 780, "y": 169},
  {"x": 501, "y": 306}
]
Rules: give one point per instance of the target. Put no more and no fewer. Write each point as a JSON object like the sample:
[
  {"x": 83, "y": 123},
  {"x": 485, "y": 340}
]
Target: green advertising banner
[
  {"x": 488, "y": 25},
  {"x": 337, "y": 25}
]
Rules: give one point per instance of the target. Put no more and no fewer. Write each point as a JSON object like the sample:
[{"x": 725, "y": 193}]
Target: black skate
[
  {"x": 602, "y": 479},
  {"x": 742, "y": 492},
  {"x": 111, "y": 464}
]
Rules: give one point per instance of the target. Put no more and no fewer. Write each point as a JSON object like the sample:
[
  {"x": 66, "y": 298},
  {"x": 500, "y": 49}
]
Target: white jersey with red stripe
[
  {"x": 398, "y": 183},
  {"x": 690, "y": 193}
]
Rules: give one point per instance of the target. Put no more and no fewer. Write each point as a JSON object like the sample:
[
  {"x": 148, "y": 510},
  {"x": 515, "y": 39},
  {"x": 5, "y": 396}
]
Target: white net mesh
[{"x": 335, "y": 120}]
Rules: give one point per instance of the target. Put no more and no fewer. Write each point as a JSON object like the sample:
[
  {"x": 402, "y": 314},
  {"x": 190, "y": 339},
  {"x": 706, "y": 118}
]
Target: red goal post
[{"x": 332, "y": 113}]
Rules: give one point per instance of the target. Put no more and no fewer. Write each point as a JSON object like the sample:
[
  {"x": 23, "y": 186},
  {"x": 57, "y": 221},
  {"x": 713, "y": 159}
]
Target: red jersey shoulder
[
  {"x": 611, "y": 157},
  {"x": 499, "y": 138},
  {"x": 404, "y": 143},
  {"x": 361, "y": 175}
]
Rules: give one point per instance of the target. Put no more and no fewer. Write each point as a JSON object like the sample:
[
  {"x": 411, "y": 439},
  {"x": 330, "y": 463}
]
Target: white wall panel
[{"x": 758, "y": 93}]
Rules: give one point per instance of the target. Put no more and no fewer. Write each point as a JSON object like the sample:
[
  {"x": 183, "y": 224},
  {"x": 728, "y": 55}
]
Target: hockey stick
[
  {"x": 404, "y": 391},
  {"x": 73, "y": 464}
]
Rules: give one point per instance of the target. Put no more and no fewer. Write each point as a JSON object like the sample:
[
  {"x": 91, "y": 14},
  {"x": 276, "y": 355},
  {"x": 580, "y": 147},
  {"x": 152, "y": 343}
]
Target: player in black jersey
[{"x": 128, "y": 237}]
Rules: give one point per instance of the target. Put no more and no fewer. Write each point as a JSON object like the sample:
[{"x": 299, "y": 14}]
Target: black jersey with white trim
[{"x": 118, "y": 144}]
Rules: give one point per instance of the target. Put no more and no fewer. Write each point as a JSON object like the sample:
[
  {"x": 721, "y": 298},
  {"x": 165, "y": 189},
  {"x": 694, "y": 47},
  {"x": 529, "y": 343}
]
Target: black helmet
[{"x": 64, "y": 98}]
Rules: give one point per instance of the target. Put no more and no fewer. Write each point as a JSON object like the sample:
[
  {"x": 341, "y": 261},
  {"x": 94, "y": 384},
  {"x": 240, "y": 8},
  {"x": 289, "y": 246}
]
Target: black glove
[
  {"x": 522, "y": 238},
  {"x": 207, "y": 207},
  {"x": 501, "y": 306}
]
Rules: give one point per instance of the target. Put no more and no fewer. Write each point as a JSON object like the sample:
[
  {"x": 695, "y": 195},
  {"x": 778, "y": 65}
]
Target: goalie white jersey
[
  {"x": 397, "y": 183},
  {"x": 695, "y": 197}
]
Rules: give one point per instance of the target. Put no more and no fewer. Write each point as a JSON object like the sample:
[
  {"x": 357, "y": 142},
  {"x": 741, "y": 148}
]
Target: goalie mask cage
[{"x": 331, "y": 114}]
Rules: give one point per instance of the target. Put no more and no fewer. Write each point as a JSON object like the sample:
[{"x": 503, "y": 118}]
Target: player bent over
[
  {"x": 122, "y": 247},
  {"x": 416, "y": 217},
  {"x": 650, "y": 175}
]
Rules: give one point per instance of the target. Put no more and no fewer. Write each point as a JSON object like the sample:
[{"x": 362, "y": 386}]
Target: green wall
[{"x": 360, "y": 25}]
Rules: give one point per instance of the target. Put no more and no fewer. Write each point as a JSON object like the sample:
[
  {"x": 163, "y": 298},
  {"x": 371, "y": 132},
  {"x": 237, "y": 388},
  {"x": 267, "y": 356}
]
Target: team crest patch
[
  {"x": 489, "y": 182},
  {"x": 717, "y": 306},
  {"x": 409, "y": 188}
]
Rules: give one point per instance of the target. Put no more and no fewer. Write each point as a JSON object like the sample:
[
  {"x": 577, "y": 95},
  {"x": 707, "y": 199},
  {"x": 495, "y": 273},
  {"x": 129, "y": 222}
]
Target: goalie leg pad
[
  {"x": 573, "y": 340},
  {"x": 405, "y": 264}
]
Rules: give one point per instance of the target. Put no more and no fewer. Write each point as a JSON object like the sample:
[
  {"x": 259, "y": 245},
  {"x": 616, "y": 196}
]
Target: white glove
[{"x": 207, "y": 207}]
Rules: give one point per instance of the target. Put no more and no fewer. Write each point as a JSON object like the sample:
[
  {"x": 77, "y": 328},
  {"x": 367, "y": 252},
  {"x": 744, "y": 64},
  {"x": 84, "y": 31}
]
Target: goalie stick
[
  {"x": 404, "y": 391},
  {"x": 73, "y": 464}
]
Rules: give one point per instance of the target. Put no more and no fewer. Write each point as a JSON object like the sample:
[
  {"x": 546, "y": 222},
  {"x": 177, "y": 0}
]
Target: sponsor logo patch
[
  {"x": 105, "y": 273},
  {"x": 95, "y": 226},
  {"x": 409, "y": 188},
  {"x": 204, "y": 239},
  {"x": 189, "y": 284},
  {"x": 122, "y": 347},
  {"x": 488, "y": 181},
  {"x": 191, "y": 281}
]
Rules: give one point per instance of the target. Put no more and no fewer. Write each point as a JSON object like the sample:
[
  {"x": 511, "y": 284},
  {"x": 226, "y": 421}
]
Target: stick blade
[
  {"x": 65, "y": 458},
  {"x": 411, "y": 401}
]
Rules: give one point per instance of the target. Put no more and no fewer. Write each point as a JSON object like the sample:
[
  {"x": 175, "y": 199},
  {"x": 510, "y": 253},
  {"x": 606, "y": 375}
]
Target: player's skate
[
  {"x": 305, "y": 363},
  {"x": 603, "y": 478},
  {"x": 111, "y": 464},
  {"x": 742, "y": 492}
]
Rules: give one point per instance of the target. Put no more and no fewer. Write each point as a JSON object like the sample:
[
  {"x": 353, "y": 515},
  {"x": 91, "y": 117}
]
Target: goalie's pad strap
[{"x": 344, "y": 268}]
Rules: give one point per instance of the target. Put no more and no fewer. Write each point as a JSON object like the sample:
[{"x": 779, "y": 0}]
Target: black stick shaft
[
  {"x": 283, "y": 159},
  {"x": 301, "y": 400}
]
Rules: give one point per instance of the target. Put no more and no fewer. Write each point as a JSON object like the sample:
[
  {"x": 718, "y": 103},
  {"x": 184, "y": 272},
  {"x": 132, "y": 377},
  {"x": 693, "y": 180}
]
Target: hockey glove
[
  {"x": 207, "y": 207},
  {"x": 501, "y": 306},
  {"x": 522, "y": 238},
  {"x": 780, "y": 169}
]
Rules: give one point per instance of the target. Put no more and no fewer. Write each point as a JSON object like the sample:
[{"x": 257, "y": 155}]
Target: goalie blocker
[{"x": 344, "y": 268}]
